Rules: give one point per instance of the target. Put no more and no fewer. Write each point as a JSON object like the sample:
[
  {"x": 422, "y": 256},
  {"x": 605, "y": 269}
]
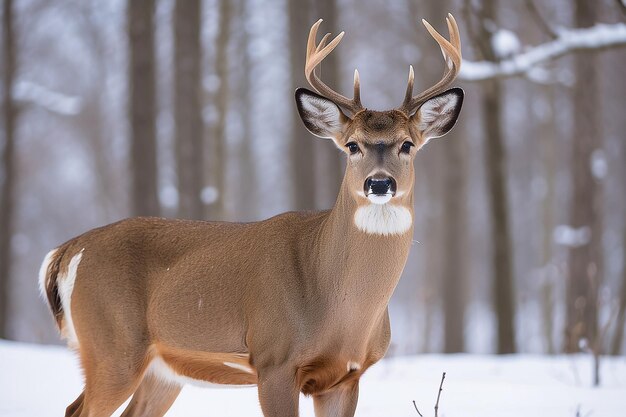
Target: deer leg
[
  {"x": 278, "y": 393},
  {"x": 153, "y": 398},
  {"x": 340, "y": 402},
  {"x": 108, "y": 383}
]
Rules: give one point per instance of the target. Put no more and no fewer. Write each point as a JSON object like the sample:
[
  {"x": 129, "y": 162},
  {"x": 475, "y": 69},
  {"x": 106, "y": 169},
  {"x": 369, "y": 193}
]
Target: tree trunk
[
  {"x": 329, "y": 165},
  {"x": 453, "y": 267},
  {"x": 301, "y": 146},
  {"x": 187, "y": 108},
  {"x": 247, "y": 189},
  {"x": 618, "y": 337},
  {"x": 8, "y": 159},
  {"x": 546, "y": 134},
  {"x": 585, "y": 258},
  {"x": 221, "y": 100},
  {"x": 496, "y": 170},
  {"x": 502, "y": 256},
  {"x": 142, "y": 108}
]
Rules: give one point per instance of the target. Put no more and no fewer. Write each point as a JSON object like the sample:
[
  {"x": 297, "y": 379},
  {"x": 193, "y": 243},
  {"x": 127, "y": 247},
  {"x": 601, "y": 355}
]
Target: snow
[
  {"x": 505, "y": 43},
  {"x": 40, "y": 381},
  {"x": 599, "y": 164},
  {"x": 53, "y": 101},
  {"x": 568, "y": 40},
  {"x": 573, "y": 237}
]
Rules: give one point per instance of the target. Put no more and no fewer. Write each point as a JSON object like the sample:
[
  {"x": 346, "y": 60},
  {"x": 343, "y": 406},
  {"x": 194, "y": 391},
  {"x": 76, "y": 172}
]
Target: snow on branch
[
  {"x": 53, "y": 101},
  {"x": 596, "y": 37}
]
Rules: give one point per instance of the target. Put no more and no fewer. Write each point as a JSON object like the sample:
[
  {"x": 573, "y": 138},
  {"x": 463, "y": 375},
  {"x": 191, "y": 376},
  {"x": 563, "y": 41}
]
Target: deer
[{"x": 295, "y": 304}]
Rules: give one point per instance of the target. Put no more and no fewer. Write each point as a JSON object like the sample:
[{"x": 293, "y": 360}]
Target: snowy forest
[{"x": 113, "y": 109}]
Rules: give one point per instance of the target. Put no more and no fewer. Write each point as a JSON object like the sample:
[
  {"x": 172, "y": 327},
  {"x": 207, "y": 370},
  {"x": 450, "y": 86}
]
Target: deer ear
[
  {"x": 321, "y": 116},
  {"x": 438, "y": 115}
]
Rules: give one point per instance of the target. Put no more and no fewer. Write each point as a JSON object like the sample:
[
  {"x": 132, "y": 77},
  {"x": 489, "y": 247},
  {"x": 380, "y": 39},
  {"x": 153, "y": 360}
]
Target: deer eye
[
  {"x": 406, "y": 147},
  {"x": 352, "y": 147}
]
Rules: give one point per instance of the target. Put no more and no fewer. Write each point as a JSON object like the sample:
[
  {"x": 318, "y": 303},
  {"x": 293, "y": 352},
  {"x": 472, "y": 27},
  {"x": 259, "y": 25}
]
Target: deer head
[{"x": 380, "y": 145}]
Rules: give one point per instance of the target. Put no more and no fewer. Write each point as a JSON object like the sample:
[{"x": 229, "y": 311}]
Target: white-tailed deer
[{"x": 294, "y": 304}]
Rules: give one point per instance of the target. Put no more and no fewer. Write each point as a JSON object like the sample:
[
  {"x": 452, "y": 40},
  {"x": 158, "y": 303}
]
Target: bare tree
[
  {"x": 454, "y": 232},
  {"x": 585, "y": 259},
  {"x": 8, "y": 160},
  {"x": 91, "y": 123},
  {"x": 187, "y": 108},
  {"x": 496, "y": 167},
  {"x": 247, "y": 161},
  {"x": 547, "y": 136},
  {"x": 618, "y": 337},
  {"x": 222, "y": 102},
  {"x": 142, "y": 109},
  {"x": 301, "y": 143}
]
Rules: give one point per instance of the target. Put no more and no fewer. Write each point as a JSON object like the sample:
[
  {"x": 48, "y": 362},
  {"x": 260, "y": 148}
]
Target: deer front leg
[
  {"x": 278, "y": 392},
  {"x": 340, "y": 402}
]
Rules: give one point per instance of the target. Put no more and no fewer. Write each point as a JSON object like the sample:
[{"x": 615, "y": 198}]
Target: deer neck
[{"x": 359, "y": 258}]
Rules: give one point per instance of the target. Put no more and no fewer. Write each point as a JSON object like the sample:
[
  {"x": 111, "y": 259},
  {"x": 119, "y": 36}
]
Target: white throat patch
[{"x": 383, "y": 219}]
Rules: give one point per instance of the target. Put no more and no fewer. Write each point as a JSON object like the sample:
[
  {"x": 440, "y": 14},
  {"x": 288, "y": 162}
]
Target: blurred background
[{"x": 185, "y": 109}]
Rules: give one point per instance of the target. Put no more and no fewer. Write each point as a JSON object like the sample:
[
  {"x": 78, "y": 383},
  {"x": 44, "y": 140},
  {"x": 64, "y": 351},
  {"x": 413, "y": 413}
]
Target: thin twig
[
  {"x": 543, "y": 24},
  {"x": 416, "y": 409},
  {"x": 439, "y": 394}
]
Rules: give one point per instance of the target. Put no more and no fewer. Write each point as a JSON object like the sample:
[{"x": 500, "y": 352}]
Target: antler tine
[
  {"x": 321, "y": 46},
  {"x": 409, "y": 86},
  {"x": 322, "y": 43},
  {"x": 453, "y": 29},
  {"x": 357, "y": 89},
  {"x": 315, "y": 55},
  {"x": 451, "y": 51}
]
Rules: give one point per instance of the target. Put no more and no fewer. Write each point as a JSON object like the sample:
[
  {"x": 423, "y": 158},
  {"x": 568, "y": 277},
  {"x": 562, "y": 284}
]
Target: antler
[
  {"x": 451, "y": 51},
  {"x": 314, "y": 56}
]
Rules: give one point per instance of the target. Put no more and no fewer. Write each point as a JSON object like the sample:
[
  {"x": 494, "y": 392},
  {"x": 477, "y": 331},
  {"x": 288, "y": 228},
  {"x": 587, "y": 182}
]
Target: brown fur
[
  {"x": 297, "y": 298},
  {"x": 209, "y": 367},
  {"x": 300, "y": 295}
]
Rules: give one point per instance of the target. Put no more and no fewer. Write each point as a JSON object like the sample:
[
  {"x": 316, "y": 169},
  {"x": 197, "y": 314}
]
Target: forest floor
[{"x": 40, "y": 381}]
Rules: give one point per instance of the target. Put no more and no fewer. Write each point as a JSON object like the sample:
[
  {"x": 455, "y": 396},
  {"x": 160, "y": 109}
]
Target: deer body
[{"x": 294, "y": 304}]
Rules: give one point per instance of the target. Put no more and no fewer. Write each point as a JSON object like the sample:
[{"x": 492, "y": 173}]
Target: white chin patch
[
  {"x": 379, "y": 198},
  {"x": 383, "y": 219}
]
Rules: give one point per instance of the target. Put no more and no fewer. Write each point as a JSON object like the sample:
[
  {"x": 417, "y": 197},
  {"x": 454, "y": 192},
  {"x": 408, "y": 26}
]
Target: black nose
[{"x": 379, "y": 185}]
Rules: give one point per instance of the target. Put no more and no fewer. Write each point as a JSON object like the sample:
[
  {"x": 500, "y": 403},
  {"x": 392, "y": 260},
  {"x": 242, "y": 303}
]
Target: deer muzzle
[{"x": 379, "y": 190}]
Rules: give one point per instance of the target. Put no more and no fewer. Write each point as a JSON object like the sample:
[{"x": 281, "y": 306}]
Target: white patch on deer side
[
  {"x": 353, "y": 366},
  {"x": 43, "y": 273},
  {"x": 65, "y": 283},
  {"x": 160, "y": 369},
  {"x": 239, "y": 366},
  {"x": 383, "y": 219}
]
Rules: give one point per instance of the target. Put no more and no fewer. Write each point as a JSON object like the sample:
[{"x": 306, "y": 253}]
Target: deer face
[{"x": 380, "y": 145}]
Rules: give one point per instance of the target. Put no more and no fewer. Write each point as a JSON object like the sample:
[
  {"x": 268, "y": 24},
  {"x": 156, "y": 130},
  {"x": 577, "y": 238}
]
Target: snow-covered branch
[
  {"x": 53, "y": 101},
  {"x": 596, "y": 37}
]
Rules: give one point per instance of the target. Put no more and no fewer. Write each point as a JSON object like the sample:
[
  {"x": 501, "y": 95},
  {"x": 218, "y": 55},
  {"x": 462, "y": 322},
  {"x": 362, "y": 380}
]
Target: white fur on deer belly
[
  {"x": 66, "y": 283},
  {"x": 163, "y": 372},
  {"x": 383, "y": 219}
]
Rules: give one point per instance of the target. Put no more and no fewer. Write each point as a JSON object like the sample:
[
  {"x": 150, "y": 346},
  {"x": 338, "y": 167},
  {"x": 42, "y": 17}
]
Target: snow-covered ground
[{"x": 40, "y": 381}]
